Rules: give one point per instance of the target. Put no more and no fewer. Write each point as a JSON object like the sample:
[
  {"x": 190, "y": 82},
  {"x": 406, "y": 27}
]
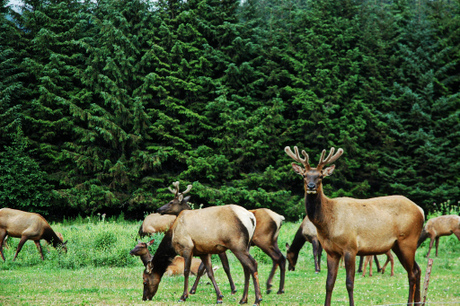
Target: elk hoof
[
  {"x": 234, "y": 291},
  {"x": 243, "y": 301},
  {"x": 192, "y": 291},
  {"x": 268, "y": 291},
  {"x": 280, "y": 292},
  {"x": 219, "y": 301}
]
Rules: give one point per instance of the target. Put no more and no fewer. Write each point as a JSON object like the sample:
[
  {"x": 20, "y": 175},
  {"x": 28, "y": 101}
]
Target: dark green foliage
[
  {"x": 119, "y": 99},
  {"x": 23, "y": 185}
]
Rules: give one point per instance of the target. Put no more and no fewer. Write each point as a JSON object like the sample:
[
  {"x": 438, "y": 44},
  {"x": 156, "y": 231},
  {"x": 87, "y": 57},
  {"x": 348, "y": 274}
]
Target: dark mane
[{"x": 164, "y": 255}]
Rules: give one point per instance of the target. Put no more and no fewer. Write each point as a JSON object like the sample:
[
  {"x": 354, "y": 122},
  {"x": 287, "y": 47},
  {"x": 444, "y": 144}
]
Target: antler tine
[
  {"x": 189, "y": 187},
  {"x": 331, "y": 157},
  {"x": 296, "y": 156},
  {"x": 176, "y": 188}
]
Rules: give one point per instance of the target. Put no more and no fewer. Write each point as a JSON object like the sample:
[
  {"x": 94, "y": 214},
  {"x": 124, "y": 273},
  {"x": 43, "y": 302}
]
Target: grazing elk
[
  {"x": 203, "y": 232},
  {"x": 27, "y": 226},
  {"x": 437, "y": 227},
  {"x": 173, "y": 208},
  {"x": 156, "y": 223},
  {"x": 175, "y": 268},
  {"x": 348, "y": 227},
  {"x": 368, "y": 260},
  {"x": 265, "y": 236},
  {"x": 306, "y": 232}
]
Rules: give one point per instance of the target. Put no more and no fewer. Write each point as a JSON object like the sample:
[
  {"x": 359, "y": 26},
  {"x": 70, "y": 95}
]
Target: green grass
[{"x": 98, "y": 270}]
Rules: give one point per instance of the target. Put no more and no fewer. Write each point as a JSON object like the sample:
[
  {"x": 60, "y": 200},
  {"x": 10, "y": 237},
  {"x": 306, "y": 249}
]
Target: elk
[
  {"x": 27, "y": 226},
  {"x": 173, "y": 208},
  {"x": 306, "y": 232},
  {"x": 440, "y": 226},
  {"x": 368, "y": 260},
  {"x": 203, "y": 232},
  {"x": 349, "y": 227},
  {"x": 155, "y": 223},
  {"x": 265, "y": 236},
  {"x": 175, "y": 268}
]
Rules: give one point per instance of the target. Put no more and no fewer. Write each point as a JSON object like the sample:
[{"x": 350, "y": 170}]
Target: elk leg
[
  {"x": 20, "y": 244},
  {"x": 278, "y": 260},
  {"x": 377, "y": 263},
  {"x": 187, "y": 263},
  {"x": 367, "y": 259},
  {"x": 39, "y": 247},
  {"x": 391, "y": 260},
  {"x": 226, "y": 266},
  {"x": 317, "y": 249},
  {"x": 250, "y": 267},
  {"x": 333, "y": 262},
  {"x": 437, "y": 245},
  {"x": 350, "y": 262},
  {"x": 360, "y": 266},
  {"x": 406, "y": 255},
  {"x": 370, "y": 265},
  {"x": 2, "y": 239},
  {"x": 206, "y": 260},
  {"x": 201, "y": 271}
]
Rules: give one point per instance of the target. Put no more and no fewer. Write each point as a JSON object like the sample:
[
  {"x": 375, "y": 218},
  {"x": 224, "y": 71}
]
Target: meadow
[{"x": 98, "y": 270}]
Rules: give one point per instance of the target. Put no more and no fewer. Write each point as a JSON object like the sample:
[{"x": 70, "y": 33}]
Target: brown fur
[
  {"x": 202, "y": 232},
  {"x": 306, "y": 232},
  {"x": 27, "y": 226},
  {"x": 265, "y": 236},
  {"x": 175, "y": 268},
  {"x": 349, "y": 227},
  {"x": 156, "y": 223},
  {"x": 440, "y": 226}
]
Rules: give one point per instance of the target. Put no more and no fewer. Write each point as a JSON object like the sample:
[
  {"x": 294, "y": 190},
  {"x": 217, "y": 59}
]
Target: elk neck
[
  {"x": 314, "y": 203},
  {"x": 164, "y": 255},
  {"x": 50, "y": 236}
]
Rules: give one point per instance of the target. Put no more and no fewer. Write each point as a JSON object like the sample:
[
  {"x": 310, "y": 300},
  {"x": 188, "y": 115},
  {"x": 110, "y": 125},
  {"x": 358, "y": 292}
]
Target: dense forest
[{"x": 105, "y": 103}]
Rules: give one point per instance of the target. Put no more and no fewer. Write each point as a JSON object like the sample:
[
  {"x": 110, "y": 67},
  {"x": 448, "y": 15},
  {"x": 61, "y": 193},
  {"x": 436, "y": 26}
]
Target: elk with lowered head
[
  {"x": 349, "y": 227},
  {"x": 306, "y": 232},
  {"x": 203, "y": 232},
  {"x": 437, "y": 227},
  {"x": 172, "y": 209},
  {"x": 27, "y": 226},
  {"x": 175, "y": 268},
  {"x": 265, "y": 236}
]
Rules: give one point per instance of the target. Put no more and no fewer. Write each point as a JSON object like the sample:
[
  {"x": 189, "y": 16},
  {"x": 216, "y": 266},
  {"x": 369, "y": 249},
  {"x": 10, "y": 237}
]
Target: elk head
[
  {"x": 151, "y": 281},
  {"x": 313, "y": 176},
  {"x": 141, "y": 248},
  {"x": 178, "y": 204}
]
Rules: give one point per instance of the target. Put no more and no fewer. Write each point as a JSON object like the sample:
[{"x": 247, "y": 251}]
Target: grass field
[{"x": 98, "y": 270}]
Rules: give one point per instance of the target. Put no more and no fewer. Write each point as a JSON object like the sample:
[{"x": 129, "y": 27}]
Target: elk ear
[
  {"x": 287, "y": 246},
  {"x": 328, "y": 171},
  {"x": 150, "y": 242},
  {"x": 186, "y": 199},
  {"x": 297, "y": 169}
]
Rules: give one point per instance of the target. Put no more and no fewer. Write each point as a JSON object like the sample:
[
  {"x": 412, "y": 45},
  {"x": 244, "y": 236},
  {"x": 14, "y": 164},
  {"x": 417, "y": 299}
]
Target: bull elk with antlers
[
  {"x": 202, "y": 232},
  {"x": 265, "y": 236},
  {"x": 172, "y": 209},
  {"x": 348, "y": 227}
]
